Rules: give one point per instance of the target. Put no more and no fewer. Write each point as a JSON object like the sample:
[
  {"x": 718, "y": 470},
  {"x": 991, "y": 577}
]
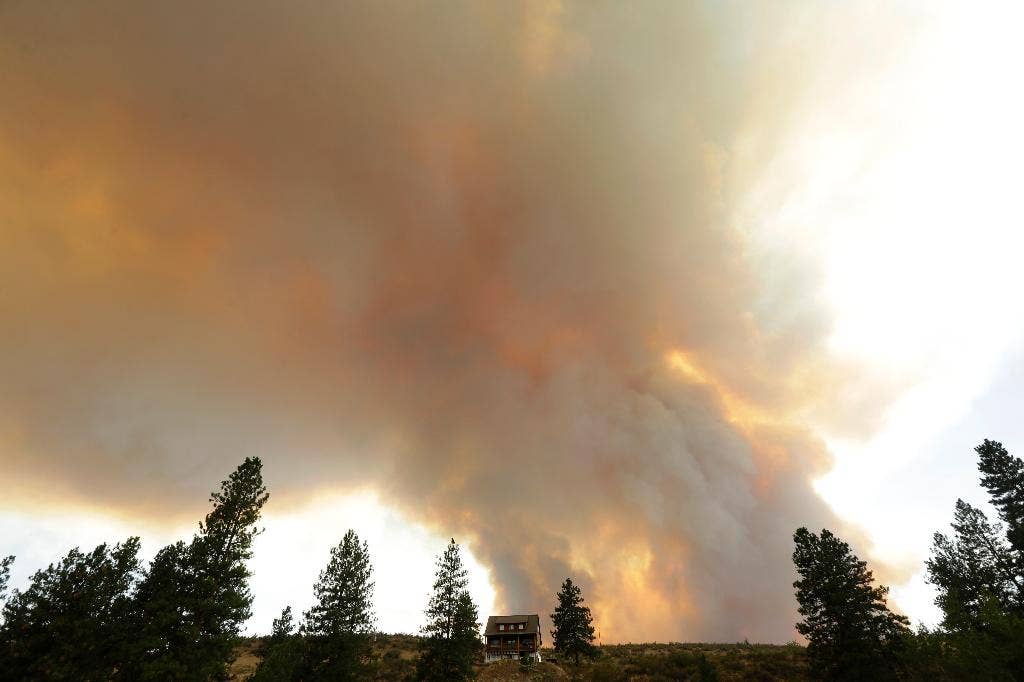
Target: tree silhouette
[
  {"x": 451, "y": 634},
  {"x": 1003, "y": 478},
  {"x": 979, "y": 575},
  {"x": 574, "y": 629},
  {"x": 851, "y": 633},
  {"x": 5, "y": 575},
  {"x": 340, "y": 624},
  {"x": 282, "y": 652},
  {"x": 73, "y": 621},
  {"x": 195, "y": 596}
]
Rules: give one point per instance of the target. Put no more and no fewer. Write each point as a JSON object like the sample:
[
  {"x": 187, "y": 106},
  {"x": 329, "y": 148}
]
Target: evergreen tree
[
  {"x": 979, "y": 575},
  {"x": 850, "y": 631},
  {"x": 282, "y": 653},
  {"x": 970, "y": 569},
  {"x": 451, "y": 636},
  {"x": 73, "y": 621},
  {"x": 195, "y": 596},
  {"x": 1003, "y": 478},
  {"x": 574, "y": 628},
  {"x": 339, "y": 626},
  {"x": 281, "y": 628},
  {"x": 5, "y": 575}
]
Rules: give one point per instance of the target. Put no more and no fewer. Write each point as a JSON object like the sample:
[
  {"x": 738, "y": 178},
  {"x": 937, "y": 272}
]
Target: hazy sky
[{"x": 626, "y": 292}]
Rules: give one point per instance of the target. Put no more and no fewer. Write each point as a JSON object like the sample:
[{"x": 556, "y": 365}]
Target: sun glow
[{"x": 403, "y": 556}]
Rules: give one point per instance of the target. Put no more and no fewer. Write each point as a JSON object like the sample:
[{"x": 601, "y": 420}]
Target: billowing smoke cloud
[{"x": 480, "y": 257}]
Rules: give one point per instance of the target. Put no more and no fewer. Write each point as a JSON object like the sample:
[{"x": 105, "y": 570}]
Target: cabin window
[
  {"x": 522, "y": 625},
  {"x": 501, "y": 627}
]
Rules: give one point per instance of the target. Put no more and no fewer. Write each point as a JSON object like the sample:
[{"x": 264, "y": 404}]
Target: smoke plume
[{"x": 481, "y": 257}]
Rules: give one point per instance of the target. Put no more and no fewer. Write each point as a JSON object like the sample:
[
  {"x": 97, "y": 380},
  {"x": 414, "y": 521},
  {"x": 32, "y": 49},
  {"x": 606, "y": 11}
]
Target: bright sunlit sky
[
  {"x": 922, "y": 258},
  {"x": 903, "y": 193}
]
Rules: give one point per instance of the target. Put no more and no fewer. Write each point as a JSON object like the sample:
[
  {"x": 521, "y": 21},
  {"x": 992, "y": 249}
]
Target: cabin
[{"x": 512, "y": 637}]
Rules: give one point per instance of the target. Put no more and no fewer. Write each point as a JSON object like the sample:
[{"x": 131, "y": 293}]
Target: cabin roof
[{"x": 532, "y": 621}]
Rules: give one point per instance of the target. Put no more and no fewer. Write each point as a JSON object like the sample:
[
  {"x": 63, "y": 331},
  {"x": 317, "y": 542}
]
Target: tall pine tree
[
  {"x": 971, "y": 570},
  {"x": 452, "y": 632},
  {"x": 574, "y": 628},
  {"x": 1003, "y": 478},
  {"x": 5, "y": 575},
  {"x": 340, "y": 624},
  {"x": 73, "y": 621},
  {"x": 851, "y": 633},
  {"x": 979, "y": 575},
  {"x": 195, "y": 596}
]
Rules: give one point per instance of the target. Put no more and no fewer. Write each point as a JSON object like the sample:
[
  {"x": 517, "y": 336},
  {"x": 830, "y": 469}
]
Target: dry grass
[
  {"x": 246, "y": 660},
  {"x": 511, "y": 671},
  {"x": 651, "y": 662},
  {"x": 677, "y": 661}
]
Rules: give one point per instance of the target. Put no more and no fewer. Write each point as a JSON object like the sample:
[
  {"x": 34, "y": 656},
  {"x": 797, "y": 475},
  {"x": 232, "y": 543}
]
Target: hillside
[{"x": 649, "y": 662}]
